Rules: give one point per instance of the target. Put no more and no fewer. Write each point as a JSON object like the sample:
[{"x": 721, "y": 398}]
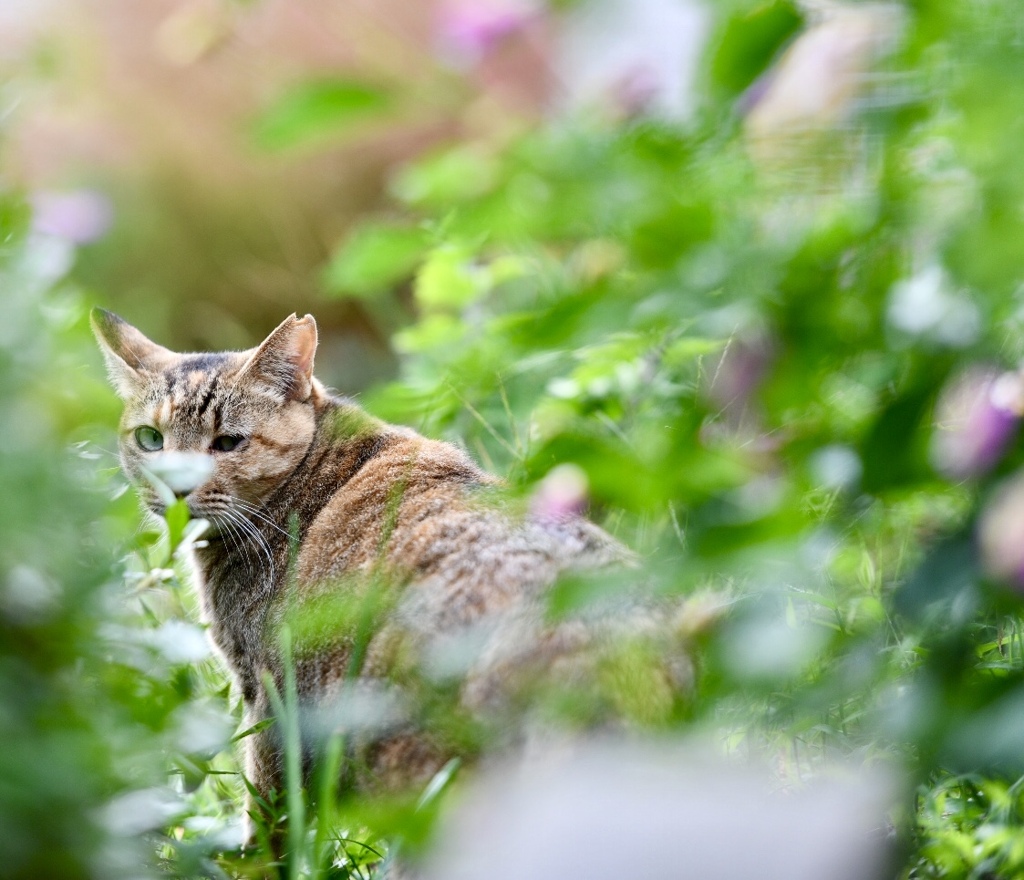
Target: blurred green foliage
[
  {"x": 745, "y": 341},
  {"x": 311, "y": 111},
  {"x": 749, "y": 41},
  {"x": 91, "y": 703},
  {"x": 742, "y": 338}
]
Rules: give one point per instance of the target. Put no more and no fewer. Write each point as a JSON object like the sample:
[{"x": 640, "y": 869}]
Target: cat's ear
[
  {"x": 284, "y": 361},
  {"x": 127, "y": 352}
]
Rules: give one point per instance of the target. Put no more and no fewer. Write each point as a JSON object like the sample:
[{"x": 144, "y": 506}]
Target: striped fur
[{"x": 319, "y": 503}]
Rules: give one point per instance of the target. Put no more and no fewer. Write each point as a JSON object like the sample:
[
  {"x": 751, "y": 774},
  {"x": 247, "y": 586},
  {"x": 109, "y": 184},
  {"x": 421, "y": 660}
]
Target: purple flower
[
  {"x": 975, "y": 420},
  {"x": 79, "y": 216},
  {"x": 562, "y": 494},
  {"x": 469, "y": 29},
  {"x": 1001, "y": 533},
  {"x": 636, "y": 90}
]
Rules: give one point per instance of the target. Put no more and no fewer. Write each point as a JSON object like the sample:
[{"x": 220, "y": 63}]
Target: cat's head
[{"x": 245, "y": 418}]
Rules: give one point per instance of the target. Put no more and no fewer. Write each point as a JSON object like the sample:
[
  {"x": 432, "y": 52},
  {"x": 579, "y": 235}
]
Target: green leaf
[
  {"x": 948, "y": 573},
  {"x": 691, "y": 347},
  {"x": 448, "y": 279},
  {"x": 432, "y": 333},
  {"x": 450, "y": 177},
  {"x": 177, "y": 518},
  {"x": 504, "y": 269},
  {"x": 374, "y": 258},
  {"x": 313, "y": 111},
  {"x": 15, "y": 219},
  {"x": 750, "y": 41},
  {"x": 254, "y": 729},
  {"x": 892, "y": 451}
]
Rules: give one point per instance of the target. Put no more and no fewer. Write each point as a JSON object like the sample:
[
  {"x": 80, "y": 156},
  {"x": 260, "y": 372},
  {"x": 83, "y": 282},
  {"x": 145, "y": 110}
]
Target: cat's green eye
[
  {"x": 149, "y": 438},
  {"x": 227, "y": 442}
]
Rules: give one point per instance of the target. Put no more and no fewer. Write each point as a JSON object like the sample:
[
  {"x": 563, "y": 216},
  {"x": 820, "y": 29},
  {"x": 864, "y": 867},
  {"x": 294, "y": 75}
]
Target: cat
[{"x": 311, "y": 503}]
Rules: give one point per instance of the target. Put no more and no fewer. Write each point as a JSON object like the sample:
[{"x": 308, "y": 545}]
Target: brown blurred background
[
  {"x": 148, "y": 110},
  {"x": 134, "y": 128}
]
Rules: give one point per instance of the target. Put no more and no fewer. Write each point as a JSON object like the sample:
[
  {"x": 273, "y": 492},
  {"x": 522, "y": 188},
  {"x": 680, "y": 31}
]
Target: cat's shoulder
[{"x": 395, "y": 457}]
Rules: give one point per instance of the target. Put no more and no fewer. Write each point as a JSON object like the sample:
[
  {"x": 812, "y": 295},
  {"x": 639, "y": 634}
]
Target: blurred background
[
  {"x": 210, "y": 157},
  {"x": 741, "y": 279}
]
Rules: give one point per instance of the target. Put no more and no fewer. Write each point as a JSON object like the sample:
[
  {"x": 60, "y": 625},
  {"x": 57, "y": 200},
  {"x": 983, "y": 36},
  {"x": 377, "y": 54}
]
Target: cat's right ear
[
  {"x": 284, "y": 361},
  {"x": 127, "y": 352}
]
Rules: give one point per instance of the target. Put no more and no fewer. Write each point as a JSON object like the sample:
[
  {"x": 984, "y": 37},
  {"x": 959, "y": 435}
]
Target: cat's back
[{"x": 422, "y": 512}]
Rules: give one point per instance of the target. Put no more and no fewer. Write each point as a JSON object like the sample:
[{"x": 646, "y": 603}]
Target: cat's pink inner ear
[
  {"x": 305, "y": 344},
  {"x": 285, "y": 359}
]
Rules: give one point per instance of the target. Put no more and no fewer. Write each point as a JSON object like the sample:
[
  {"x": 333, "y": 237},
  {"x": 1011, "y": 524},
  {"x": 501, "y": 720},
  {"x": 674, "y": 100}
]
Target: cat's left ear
[{"x": 285, "y": 359}]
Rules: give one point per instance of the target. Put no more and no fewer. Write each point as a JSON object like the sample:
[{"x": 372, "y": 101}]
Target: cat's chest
[{"x": 236, "y": 594}]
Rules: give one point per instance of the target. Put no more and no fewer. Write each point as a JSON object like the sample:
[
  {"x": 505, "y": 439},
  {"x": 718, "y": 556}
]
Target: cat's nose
[{"x": 181, "y": 472}]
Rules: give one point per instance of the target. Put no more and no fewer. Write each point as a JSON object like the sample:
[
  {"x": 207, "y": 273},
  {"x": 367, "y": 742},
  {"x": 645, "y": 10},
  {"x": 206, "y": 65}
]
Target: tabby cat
[{"x": 312, "y": 502}]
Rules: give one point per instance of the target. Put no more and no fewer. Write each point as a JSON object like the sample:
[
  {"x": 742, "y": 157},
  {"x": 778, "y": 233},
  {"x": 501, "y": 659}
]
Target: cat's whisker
[
  {"x": 253, "y": 510},
  {"x": 222, "y": 521},
  {"x": 259, "y": 511},
  {"x": 257, "y": 538},
  {"x": 240, "y": 545},
  {"x": 248, "y": 508},
  {"x": 231, "y": 530}
]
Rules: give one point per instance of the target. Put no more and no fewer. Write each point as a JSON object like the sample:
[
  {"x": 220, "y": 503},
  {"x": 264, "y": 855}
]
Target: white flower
[{"x": 924, "y": 306}]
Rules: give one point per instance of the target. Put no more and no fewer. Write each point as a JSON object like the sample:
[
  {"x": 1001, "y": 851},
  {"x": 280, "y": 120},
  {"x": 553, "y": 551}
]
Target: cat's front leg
[{"x": 263, "y": 763}]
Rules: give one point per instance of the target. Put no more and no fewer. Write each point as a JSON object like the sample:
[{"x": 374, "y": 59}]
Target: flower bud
[
  {"x": 1001, "y": 533},
  {"x": 976, "y": 418},
  {"x": 468, "y": 31},
  {"x": 561, "y": 494}
]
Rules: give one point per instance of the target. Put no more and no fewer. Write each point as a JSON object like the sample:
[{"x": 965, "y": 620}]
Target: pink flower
[
  {"x": 636, "y": 90},
  {"x": 976, "y": 417},
  {"x": 562, "y": 494},
  {"x": 1001, "y": 533},
  {"x": 79, "y": 216},
  {"x": 469, "y": 29}
]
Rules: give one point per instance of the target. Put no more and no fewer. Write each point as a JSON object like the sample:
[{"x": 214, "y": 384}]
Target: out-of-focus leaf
[
  {"x": 749, "y": 41},
  {"x": 177, "y": 517},
  {"x": 449, "y": 279},
  {"x": 990, "y": 737},
  {"x": 690, "y": 347},
  {"x": 948, "y": 571},
  {"x": 15, "y": 217},
  {"x": 312, "y": 111},
  {"x": 373, "y": 258},
  {"x": 447, "y": 178},
  {"x": 663, "y": 239},
  {"x": 892, "y": 451},
  {"x": 504, "y": 269},
  {"x": 617, "y": 475},
  {"x": 431, "y": 332}
]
